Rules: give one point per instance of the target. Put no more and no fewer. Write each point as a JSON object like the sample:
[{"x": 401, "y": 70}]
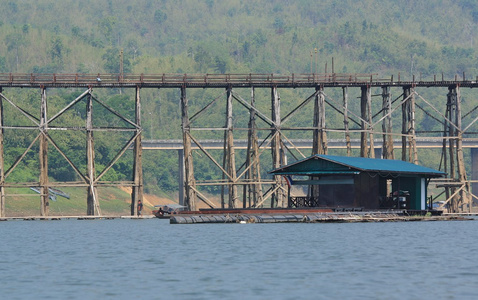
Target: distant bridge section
[{"x": 299, "y": 143}]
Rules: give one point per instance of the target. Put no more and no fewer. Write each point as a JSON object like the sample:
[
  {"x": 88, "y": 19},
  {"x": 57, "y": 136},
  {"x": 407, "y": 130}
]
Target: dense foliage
[{"x": 231, "y": 36}]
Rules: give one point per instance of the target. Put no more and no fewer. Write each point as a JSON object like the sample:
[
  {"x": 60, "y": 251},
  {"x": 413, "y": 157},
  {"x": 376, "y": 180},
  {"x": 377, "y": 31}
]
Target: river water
[{"x": 151, "y": 259}]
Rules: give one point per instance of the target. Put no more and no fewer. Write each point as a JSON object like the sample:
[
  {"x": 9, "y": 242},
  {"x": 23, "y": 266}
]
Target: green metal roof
[{"x": 330, "y": 164}]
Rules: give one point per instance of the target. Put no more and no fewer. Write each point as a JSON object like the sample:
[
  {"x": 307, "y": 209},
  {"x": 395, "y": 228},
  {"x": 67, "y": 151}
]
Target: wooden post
[
  {"x": 474, "y": 171},
  {"x": 43, "y": 180},
  {"x": 451, "y": 113},
  {"x": 346, "y": 121},
  {"x": 412, "y": 136},
  {"x": 230, "y": 152},
  {"x": 137, "y": 193},
  {"x": 387, "y": 148},
  {"x": 276, "y": 142},
  {"x": 371, "y": 152},
  {"x": 189, "y": 184},
  {"x": 465, "y": 198},
  {"x": 444, "y": 147},
  {"x": 255, "y": 188},
  {"x": 181, "y": 176},
  {"x": 405, "y": 122},
  {"x": 319, "y": 145},
  {"x": 364, "y": 126},
  {"x": 92, "y": 198},
  {"x": 2, "y": 164},
  {"x": 451, "y": 131}
]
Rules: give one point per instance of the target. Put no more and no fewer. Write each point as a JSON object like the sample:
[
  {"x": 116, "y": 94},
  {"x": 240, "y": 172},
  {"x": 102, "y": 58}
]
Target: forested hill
[{"x": 238, "y": 36}]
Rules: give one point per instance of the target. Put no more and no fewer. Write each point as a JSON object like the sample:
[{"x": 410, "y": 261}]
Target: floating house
[{"x": 357, "y": 182}]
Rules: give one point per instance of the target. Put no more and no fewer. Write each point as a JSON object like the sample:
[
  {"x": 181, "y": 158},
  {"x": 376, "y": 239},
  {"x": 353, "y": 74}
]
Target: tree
[
  {"x": 160, "y": 16},
  {"x": 112, "y": 61}
]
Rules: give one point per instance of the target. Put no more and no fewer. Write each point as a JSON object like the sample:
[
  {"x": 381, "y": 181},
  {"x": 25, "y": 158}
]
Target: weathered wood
[
  {"x": 181, "y": 176},
  {"x": 276, "y": 143},
  {"x": 465, "y": 192},
  {"x": 346, "y": 120},
  {"x": 137, "y": 191},
  {"x": 371, "y": 152},
  {"x": 299, "y": 107},
  {"x": 77, "y": 99},
  {"x": 413, "y": 138},
  {"x": 364, "y": 117},
  {"x": 405, "y": 124},
  {"x": 92, "y": 199},
  {"x": 2, "y": 163},
  {"x": 230, "y": 152},
  {"x": 254, "y": 193},
  {"x": 43, "y": 156},
  {"x": 387, "y": 147},
  {"x": 189, "y": 184},
  {"x": 319, "y": 141},
  {"x": 444, "y": 154}
]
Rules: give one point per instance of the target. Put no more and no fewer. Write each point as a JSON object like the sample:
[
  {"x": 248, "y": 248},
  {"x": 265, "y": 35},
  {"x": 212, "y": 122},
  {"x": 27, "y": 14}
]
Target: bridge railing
[{"x": 31, "y": 78}]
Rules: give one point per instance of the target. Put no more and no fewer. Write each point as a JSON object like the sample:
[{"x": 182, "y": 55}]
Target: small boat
[{"x": 165, "y": 211}]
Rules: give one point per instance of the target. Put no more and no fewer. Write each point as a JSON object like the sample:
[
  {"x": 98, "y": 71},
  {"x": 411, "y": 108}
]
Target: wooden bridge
[{"x": 266, "y": 128}]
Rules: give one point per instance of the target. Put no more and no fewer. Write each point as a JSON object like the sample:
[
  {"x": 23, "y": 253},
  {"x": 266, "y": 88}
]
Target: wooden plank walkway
[{"x": 52, "y": 218}]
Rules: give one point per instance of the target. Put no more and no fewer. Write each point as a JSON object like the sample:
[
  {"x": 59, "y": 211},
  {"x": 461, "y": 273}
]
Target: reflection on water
[{"x": 152, "y": 259}]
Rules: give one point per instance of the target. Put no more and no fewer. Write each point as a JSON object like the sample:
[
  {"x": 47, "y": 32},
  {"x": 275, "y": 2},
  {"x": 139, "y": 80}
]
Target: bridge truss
[{"x": 266, "y": 126}]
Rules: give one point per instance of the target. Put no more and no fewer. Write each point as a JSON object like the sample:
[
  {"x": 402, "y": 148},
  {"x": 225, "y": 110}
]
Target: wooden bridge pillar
[
  {"x": 387, "y": 148},
  {"x": 366, "y": 150},
  {"x": 181, "y": 176},
  {"x": 137, "y": 193},
  {"x": 465, "y": 203},
  {"x": 474, "y": 171},
  {"x": 92, "y": 197},
  {"x": 2, "y": 164},
  {"x": 319, "y": 145},
  {"x": 409, "y": 144},
  {"x": 254, "y": 190},
  {"x": 43, "y": 156},
  {"x": 230, "y": 152},
  {"x": 346, "y": 121},
  {"x": 276, "y": 145},
  {"x": 189, "y": 182}
]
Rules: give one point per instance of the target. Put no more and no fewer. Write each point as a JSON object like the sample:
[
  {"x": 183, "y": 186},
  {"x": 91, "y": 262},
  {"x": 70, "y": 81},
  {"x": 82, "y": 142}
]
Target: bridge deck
[{"x": 215, "y": 80}]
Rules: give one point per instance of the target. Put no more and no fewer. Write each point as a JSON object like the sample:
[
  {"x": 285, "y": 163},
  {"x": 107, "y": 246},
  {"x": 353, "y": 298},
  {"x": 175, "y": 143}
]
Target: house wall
[
  {"x": 337, "y": 195},
  {"x": 367, "y": 191},
  {"x": 414, "y": 186}
]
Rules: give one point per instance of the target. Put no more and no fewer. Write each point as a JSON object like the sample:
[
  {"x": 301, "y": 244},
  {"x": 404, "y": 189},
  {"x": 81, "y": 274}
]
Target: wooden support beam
[
  {"x": 276, "y": 143},
  {"x": 189, "y": 181},
  {"x": 371, "y": 152},
  {"x": 230, "y": 152},
  {"x": 364, "y": 149},
  {"x": 444, "y": 154},
  {"x": 405, "y": 121},
  {"x": 137, "y": 191},
  {"x": 466, "y": 201},
  {"x": 181, "y": 176},
  {"x": 412, "y": 130},
  {"x": 43, "y": 156},
  {"x": 92, "y": 197},
  {"x": 253, "y": 194},
  {"x": 387, "y": 148},
  {"x": 346, "y": 121},
  {"x": 2, "y": 163},
  {"x": 319, "y": 145}
]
